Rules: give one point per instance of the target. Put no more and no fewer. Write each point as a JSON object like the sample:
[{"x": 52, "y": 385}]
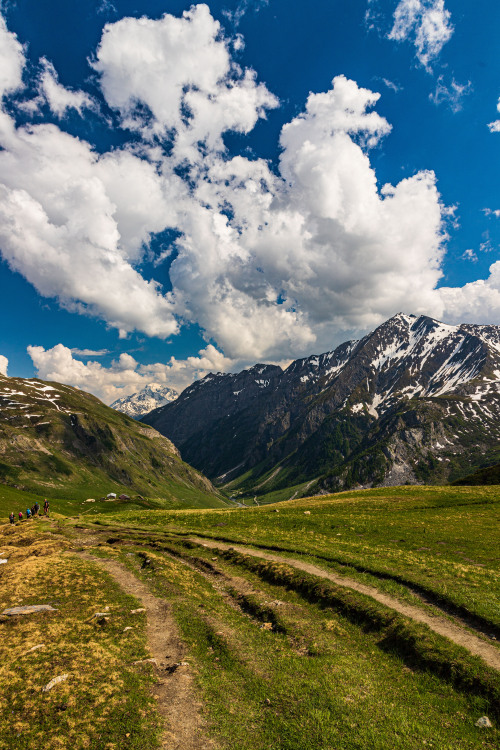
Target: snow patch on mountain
[{"x": 33, "y": 395}]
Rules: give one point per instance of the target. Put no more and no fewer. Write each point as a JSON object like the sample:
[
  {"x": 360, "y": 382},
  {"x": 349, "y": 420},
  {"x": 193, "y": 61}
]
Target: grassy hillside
[
  {"x": 62, "y": 443},
  {"x": 490, "y": 475}
]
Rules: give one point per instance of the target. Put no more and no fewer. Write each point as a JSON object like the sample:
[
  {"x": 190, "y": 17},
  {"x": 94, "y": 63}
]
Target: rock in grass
[
  {"x": 307, "y": 512},
  {"x": 28, "y": 609},
  {"x": 35, "y": 648},
  {"x": 137, "y": 611},
  {"x": 54, "y": 681},
  {"x": 484, "y": 722}
]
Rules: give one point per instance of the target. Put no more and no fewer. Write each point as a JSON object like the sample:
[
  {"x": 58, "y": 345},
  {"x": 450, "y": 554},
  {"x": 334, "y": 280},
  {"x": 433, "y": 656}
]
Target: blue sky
[{"x": 194, "y": 188}]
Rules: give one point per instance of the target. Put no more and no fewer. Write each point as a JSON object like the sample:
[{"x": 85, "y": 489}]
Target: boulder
[
  {"x": 484, "y": 723},
  {"x": 28, "y": 609}
]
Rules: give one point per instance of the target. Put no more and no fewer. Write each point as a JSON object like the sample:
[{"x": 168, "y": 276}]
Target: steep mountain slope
[
  {"x": 58, "y": 439},
  {"x": 414, "y": 401},
  {"x": 149, "y": 398}
]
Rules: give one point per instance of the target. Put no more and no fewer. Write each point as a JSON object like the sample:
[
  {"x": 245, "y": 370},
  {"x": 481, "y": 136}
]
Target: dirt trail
[
  {"x": 475, "y": 645},
  {"x": 177, "y": 702},
  {"x": 274, "y": 474}
]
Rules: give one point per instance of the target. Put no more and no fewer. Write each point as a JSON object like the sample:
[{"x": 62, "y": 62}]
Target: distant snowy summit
[{"x": 142, "y": 402}]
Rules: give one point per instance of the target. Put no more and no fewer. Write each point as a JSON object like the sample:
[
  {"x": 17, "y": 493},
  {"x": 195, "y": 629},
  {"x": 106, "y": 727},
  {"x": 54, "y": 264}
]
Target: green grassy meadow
[
  {"x": 281, "y": 659},
  {"x": 71, "y": 501},
  {"x": 441, "y": 540},
  {"x": 277, "y": 670}
]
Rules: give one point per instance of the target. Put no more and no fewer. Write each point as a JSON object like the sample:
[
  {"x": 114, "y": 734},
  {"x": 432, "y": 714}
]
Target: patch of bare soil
[
  {"x": 475, "y": 645},
  {"x": 174, "y": 691}
]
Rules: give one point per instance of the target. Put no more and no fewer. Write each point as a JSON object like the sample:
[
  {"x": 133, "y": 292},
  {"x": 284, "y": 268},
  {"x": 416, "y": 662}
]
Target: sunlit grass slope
[
  {"x": 73, "y": 501},
  {"x": 104, "y": 700},
  {"x": 441, "y": 540}
]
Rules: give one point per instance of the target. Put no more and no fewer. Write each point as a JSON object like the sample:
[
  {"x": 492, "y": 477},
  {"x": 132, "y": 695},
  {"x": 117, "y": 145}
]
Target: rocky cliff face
[{"x": 414, "y": 401}]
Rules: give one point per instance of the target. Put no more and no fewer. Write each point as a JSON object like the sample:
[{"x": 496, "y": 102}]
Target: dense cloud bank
[{"x": 125, "y": 375}]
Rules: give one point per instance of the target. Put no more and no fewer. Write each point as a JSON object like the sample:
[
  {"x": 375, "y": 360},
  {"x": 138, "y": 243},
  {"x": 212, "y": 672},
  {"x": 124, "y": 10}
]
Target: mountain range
[
  {"x": 415, "y": 401},
  {"x": 149, "y": 398}
]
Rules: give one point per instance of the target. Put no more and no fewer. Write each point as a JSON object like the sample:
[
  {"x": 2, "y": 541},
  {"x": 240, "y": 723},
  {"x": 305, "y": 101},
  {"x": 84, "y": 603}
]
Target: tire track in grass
[
  {"x": 475, "y": 645},
  {"x": 174, "y": 691}
]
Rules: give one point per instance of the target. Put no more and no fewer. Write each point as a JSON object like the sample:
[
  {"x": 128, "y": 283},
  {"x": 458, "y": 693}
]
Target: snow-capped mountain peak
[{"x": 150, "y": 397}]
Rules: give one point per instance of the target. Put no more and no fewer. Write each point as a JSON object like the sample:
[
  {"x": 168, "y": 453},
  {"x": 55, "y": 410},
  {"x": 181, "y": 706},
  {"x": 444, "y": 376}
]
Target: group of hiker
[{"x": 31, "y": 512}]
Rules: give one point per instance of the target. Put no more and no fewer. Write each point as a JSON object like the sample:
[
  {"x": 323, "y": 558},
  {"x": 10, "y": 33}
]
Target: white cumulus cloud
[
  {"x": 125, "y": 375},
  {"x": 494, "y": 126},
  {"x": 475, "y": 302},
  {"x": 4, "y": 363},
  {"x": 58, "y": 97},
  {"x": 75, "y": 224},
  {"x": 302, "y": 258},
  {"x": 426, "y": 23},
  {"x": 12, "y": 60},
  {"x": 176, "y": 76}
]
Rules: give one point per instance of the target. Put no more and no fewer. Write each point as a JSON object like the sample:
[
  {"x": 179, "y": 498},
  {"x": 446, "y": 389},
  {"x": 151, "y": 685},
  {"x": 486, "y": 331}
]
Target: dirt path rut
[
  {"x": 475, "y": 645},
  {"x": 174, "y": 691}
]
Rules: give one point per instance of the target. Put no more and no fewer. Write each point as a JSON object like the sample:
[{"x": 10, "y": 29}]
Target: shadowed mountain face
[
  {"x": 54, "y": 438},
  {"x": 414, "y": 401}
]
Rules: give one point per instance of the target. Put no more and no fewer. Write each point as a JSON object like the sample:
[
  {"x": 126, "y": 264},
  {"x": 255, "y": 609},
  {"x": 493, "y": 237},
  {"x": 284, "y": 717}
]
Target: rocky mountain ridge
[
  {"x": 414, "y": 401},
  {"x": 150, "y": 397}
]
